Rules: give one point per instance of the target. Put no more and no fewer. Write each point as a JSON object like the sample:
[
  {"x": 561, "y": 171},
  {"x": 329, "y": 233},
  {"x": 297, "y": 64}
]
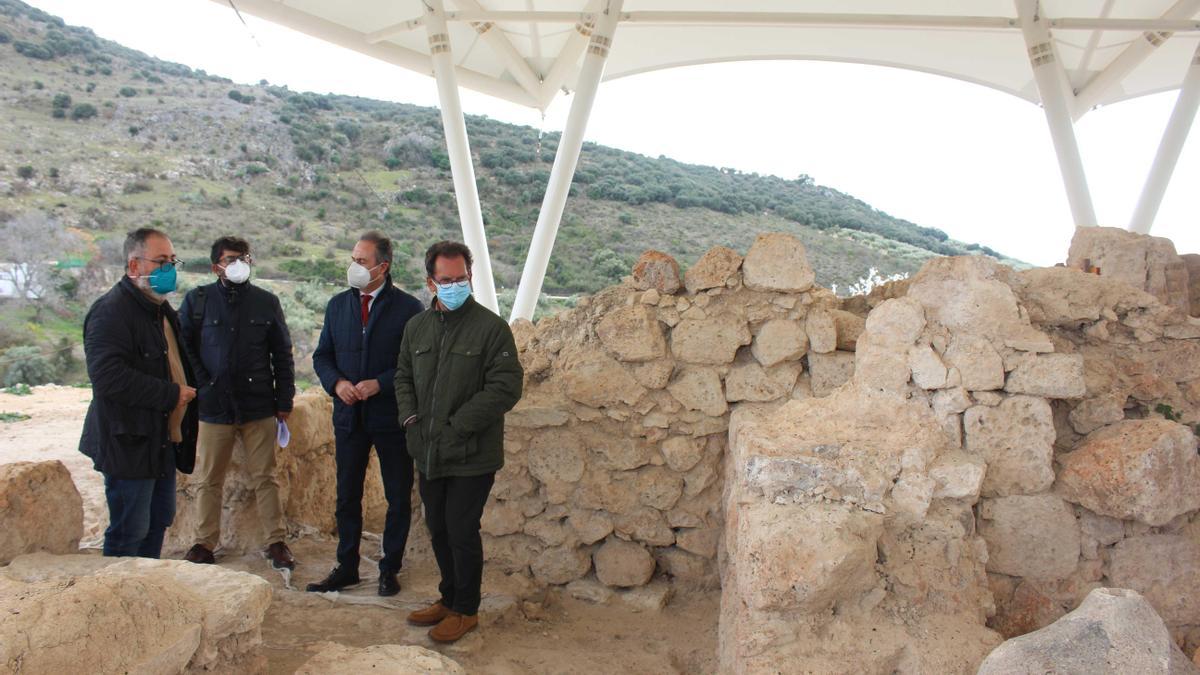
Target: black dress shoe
[
  {"x": 200, "y": 555},
  {"x": 341, "y": 577},
  {"x": 388, "y": 583}
]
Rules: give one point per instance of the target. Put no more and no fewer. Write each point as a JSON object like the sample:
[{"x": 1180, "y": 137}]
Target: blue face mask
[
  {"x": 454, "y": 295},
  {"x": 162, "y": 280}
]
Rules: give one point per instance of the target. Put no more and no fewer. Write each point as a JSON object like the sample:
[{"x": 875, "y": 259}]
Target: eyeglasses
[
  {"x": 163, "y": 263},
  {"x": 230, "y": 259},
  {"x": 447, "y": 281}
]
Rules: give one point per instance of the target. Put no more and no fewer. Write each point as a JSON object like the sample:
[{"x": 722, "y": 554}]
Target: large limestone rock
[
  {"x": 1049, "y": 375},
  {"x": 1016, "y": 440},
  {"x": 165, "y": 615},
  {"x": 712, "y": 341},
  {"x": 621, "y": 563},
  {"x": 1166, "y": 569},
  {"x": 40, "y": 509},
  {"x": 1032, "y": 536},
  {"x": 700, "y": 389},
  {"x": 751, "y": 382},
  {"x": 1192, "y": 262},
  {"x": 1144, "y": 262},
  {"x": 715, "y": 269},
  {"x": 969, "y": 295},
  {"x": 830, "y": 371},
  {"x": 1114, "y": 631},
  {"x": 779, "y": 340},
  {"x": 632, "y": 334},
  {"x": 595, "y": 379},
  {"x": 657, "y": 270},
  {"x": 336, "y": 659},
  {"x": 777, "y": 262},
  {"x": 1146, "y": 470}
]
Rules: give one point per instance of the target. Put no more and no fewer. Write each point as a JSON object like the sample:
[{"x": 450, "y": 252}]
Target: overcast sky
[{"x": 972, "y": 161}]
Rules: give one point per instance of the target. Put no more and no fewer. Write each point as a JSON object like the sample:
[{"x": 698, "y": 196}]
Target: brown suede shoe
[
  {"x": 281, "y": 556},
  {"x": 200, "y": 555},
  {"x": 453, "y": 627},
  {"x": 430, "y": 616}
]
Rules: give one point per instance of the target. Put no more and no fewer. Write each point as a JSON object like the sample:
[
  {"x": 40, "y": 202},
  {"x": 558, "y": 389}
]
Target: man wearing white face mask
[
  {"x": 236, "y": 338},
  {"x": 356, "y": 362}
]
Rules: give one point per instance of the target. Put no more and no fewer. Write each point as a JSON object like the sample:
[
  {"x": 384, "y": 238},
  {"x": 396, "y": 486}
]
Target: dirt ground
[{"x": 523, "y": 629}]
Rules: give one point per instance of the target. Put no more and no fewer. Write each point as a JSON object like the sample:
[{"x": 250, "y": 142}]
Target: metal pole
[
  {"x": 462, "y": 169},
  {"x": 1173, "y": 139},
  {"x": 565, "y": 160},
  {"x": 1052, "y": 87}
]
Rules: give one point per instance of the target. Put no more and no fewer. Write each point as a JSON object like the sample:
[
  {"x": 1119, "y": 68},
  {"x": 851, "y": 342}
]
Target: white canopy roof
[{"x": 526, "y": 51}]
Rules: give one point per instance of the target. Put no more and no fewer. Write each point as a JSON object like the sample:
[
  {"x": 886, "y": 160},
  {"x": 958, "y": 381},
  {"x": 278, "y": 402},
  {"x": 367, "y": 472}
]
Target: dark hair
[
  {"x": 446, "y": 249},
  {"x": 136, "y": 241},
  {"x": 383, "y": 245},
  {"x": 235, "y": 244}
]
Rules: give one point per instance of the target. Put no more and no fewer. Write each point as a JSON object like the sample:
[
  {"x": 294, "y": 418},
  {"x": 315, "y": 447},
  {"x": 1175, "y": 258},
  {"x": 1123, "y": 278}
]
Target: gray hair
[{"x": 135, "y": 242}]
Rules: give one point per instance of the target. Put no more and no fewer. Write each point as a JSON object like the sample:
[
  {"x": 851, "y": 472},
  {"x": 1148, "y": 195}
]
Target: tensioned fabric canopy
[{"x": 1069, "y": 56}]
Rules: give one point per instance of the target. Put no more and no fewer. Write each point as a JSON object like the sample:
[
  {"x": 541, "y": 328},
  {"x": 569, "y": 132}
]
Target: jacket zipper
[{"x": 433, "y": 403}]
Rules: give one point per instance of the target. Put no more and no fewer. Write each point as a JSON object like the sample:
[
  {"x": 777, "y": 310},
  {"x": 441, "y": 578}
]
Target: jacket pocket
[
  {"x": 133, "y": 451},
  {"x": 455, "y": 448},
  {"x": 465, "y": 373},
  {"x": 413, "y": 441}
]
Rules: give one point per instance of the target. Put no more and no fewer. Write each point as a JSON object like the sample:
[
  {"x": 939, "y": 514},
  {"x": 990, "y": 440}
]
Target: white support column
[
  {"x": 462, "y": 167},
  {"x": 565, "y": 161},
  {"x": 1173, "y": 139},
  {"x": 1053, "y": 88}
]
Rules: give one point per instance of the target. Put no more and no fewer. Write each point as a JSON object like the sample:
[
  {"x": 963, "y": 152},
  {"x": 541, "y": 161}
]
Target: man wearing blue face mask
[
  {"x": 141, "y": 424},
  {"x": 356, "y": 362},
  {"x": 237, "y": 341},
  {"x": 457, "y": 376}
]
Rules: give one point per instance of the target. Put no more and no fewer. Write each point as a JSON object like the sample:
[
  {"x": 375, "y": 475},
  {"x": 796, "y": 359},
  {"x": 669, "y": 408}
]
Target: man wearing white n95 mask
[
  {"x": 356, "y": 362},
  {"x": 238, "y": 343}
]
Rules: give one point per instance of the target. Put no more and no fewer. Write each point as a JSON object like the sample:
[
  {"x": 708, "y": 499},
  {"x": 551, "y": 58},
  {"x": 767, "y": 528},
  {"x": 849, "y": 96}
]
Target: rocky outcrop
[
  {"x": 129, "y": 615},
  {"x": 336, "y": 659},
  {"x": 1113, "y": 631},
  {"x": 1139, "y": 260},
  {"x": 40, "y": 509}
]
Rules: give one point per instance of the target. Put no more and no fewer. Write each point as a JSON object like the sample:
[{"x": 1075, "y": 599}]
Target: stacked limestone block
[
  {"x": 614, "y": 455},
  {"x": 307, "y": 486}
]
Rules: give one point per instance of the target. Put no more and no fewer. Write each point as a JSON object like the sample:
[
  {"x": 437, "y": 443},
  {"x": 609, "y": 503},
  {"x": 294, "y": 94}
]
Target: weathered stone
[
  {"x": 687, "y": 567},
  {"x": 958, "y": 475},
  {"x": 596, "y": 379},
  {"x": 700, "y": 540},
  {"x": 713, "y": 270},
  {"x": 699, "y": 389},
  {"x": 928, "y": 371},
  {"x": 1114, "y": 631},
  {"x": 633, "y": 334},
  {"x": 533, "y": 412},
  {"x": 1093, "y": 413},
  {"x": 749, "y": 381},
  {"x": 1061, "y": 296},
  {"x": 502, "y": 517},
  {"x": 40, "y": 509},
  {"x": 896, "y": 322},
  {"x": 590, "y": 526},
  {"x": 657, "y": 270},
  {"x": 590, "y": 590},
  {"x": 336, "y": 659},
  {"x": 778, "y": 574},
  {"x": 644, "y": 524},
  {"x": 777, "y": 262},
  {"x": 881, "y": 364},
  {"x": 1191, "y": 262},
  {"x": 1017, "y": 547},
  {"x": 682, "y": 452},
  {"x": 624, "y": 564},
  {"x": 1144, "y": 262},
  {"x": 1146, "y": 470},
  {"x": 1016, "y": 439},
  {"x": 1049, "y": 375},
  {"x": 560, "y": 565},
  {"x": 779, "y": 340},
  {"x": 849, "y": 327},
  {"x": 976, "y": 361},
  {"x": 712, "y": 341},
  {"x": 659, "y": 487},
  {"x": 969, "y": 295},
  {"x": 653, "y": 597},
  {"x": 556, "y": 456},
  {"x": 821, "y": 329},
  {"x": 1163, "y": 567},
  {"x": 653, "y": 374},
  {"x": 614, "y": 451},
  {"x": 829, "y": 371}
]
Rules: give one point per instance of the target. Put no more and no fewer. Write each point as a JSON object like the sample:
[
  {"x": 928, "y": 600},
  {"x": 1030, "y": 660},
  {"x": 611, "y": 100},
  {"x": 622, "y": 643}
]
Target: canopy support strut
[
  {"x": 1169, "y": 149},
  {"x": 462, "y": 168},
  {"x": 1053, "y": 87},
  {"x": 566, "y": 158}
]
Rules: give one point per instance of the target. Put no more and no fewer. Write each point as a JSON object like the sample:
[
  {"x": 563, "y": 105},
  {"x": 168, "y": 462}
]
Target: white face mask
[
  {"x": 358, "y": 276},
  {"x": 237, "y": 272}
]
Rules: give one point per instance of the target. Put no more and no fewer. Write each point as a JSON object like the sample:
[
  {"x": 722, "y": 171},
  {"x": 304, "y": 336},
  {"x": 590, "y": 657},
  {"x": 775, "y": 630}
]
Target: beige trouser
[{"x": 214, "y": 450}]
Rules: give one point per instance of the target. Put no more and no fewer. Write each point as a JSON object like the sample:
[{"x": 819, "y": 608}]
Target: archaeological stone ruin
[{"x": 973, "y": 469}]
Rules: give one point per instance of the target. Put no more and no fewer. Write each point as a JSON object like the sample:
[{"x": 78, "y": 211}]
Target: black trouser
[
  {"x": 396, "y": 469},
  {"x": 453, "y": 507}
]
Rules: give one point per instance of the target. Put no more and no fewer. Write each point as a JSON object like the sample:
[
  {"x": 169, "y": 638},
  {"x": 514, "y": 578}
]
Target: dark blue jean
[
  {"x": 353, "y": 451},
  {"x": 139, "y": 513}
]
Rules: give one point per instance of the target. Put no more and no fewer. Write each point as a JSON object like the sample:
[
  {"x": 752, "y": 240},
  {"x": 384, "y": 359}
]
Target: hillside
[{"x": 103, "y": 139}]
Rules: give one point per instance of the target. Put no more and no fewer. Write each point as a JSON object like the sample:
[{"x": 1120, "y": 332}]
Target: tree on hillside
[{"x": 30, "y": 245}]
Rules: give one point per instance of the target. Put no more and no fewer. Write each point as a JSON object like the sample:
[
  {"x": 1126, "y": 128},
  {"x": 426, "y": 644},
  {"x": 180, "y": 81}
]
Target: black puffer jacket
[{"x": 125, "y": 431}]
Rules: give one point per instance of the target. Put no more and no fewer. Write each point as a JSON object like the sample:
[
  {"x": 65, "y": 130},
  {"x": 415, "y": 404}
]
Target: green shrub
[
  {"x": 83, "y": 111},
  {"x": 128, "y": 92},
  {"x": 26, "y": 172},
  {"x": 26, "y": 365},
  {"x": 61, "y": 101}
]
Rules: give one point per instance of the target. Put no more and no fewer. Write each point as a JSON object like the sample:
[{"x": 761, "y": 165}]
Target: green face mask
[{"x": 163, "y": 279}]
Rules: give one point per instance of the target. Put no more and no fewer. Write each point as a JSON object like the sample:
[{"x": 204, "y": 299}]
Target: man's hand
[
  {"x": 347, "y": 392},
  {"x": 186, "y": 396},
  {"x": 282, "y": 415},
  {"x": 367, "y": 388}
]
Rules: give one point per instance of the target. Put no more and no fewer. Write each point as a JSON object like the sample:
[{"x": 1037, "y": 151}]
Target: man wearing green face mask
[
  {"x": 457, "y": 375},
  {"x": 141, "y": 425}
]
